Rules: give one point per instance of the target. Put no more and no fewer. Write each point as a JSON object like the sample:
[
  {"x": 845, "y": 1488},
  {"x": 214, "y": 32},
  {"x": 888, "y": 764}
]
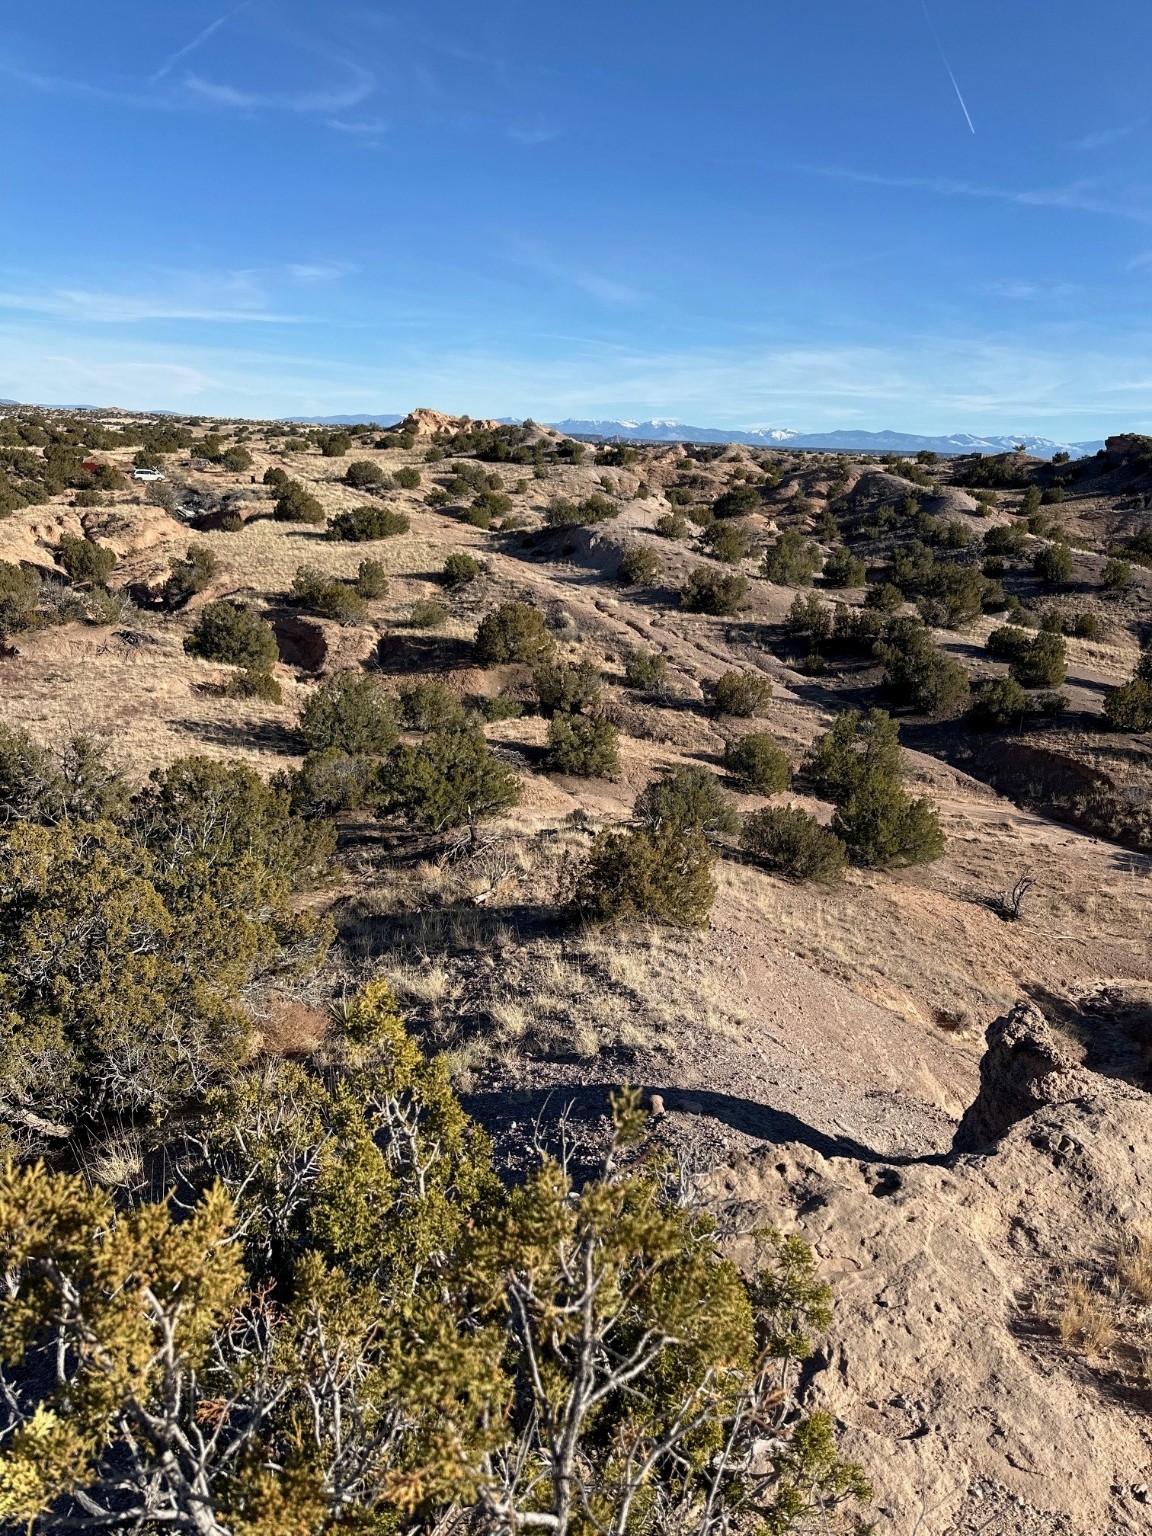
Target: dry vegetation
[{"x": 849, "y": 1013}]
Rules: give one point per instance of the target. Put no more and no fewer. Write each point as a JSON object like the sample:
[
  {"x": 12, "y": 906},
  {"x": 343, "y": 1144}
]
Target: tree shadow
[
  {"x": 837, "y": 693},
  {"x": 400, "y": 652},
  {"x": 503, "y": 1111},
  {"x": 265, "y": 735},
  {"x": 1114, "y": 1031},
  {"x": 432, "y": 932}
]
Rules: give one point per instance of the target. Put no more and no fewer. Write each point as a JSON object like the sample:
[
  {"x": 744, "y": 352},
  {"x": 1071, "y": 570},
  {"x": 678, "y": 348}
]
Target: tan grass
[
  {"x": 513, "y": 1019},
  {"x": 1085, "y": 1321},
  {"x": 430, "y": 984},
  {"x": 1134, "y": 1267}
]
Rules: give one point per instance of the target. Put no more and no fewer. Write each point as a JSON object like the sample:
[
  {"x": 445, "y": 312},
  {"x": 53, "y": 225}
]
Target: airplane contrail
[
  {"x": 201, "y": 37},
  {"x": 947, "y": 66}
]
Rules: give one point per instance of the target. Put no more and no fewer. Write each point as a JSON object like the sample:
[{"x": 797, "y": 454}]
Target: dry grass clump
[
  {"x": 1103, "y": 1311},
  {"x": 1134, "y": 1267},
  {"x": 1085, "y": 1320}
]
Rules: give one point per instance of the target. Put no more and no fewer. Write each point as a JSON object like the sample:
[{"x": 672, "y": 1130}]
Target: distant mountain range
[
  {"x": 385, "y": 419},
  {"x": 663, "y": 431}
]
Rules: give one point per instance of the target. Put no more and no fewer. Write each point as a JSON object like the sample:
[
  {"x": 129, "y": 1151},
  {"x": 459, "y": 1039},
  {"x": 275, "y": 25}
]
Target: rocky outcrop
[
  {"x": 319, "y": 646},
  {"x": 1024, "y": 1069},
  {"x": 944, "y": 1370},
  {"x": 424, "y": 422}
]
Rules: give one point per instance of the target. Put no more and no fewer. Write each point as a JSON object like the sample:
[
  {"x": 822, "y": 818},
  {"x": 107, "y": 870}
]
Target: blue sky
[{"x": 732, "y": 214}]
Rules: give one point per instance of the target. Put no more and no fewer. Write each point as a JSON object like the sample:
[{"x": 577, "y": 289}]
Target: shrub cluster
[
  {"x": 856, "y": 765},
  {"x": 709, "y": 591},
  {"x": 296, "y": 505},
  {"x": 231, "y": 633},
  {"x": 351, "y": 713},
  {"x": 1053, "y": 565},
  {"x": 562, "y": 513},
  {"x": 843, "y": 569},
  {"x": 1129, "y": 707},
  {"x": 646, "y": 671},
  {"x": 366, "y": 474},
  {"x": 567, "y": 687},
  {"x": 85, "y": 561},
  {"x": 583, "y": 746},
  {"x": 427, "y": 613},
  {"x": 513, "y": 632},
  {"x": 449, "y": 780},
  {"x": 431, "y": 706},
  {"x": 792, "y": 560},
  {"x": 917, "y": 672},
  {"x": 371, "y": 580},
  {"x": 792, "y": 843},
  {"x": 639, "y": 566},
  {"x": 728, "y": 542},
  {"x": 648, "y": 876},
  {"x": 672, "y": 525},
  {"x": 149, "y": 916},
  {"x": 359, "y": 525},
  {"x": 189, "y": 576},
  {"x": 19, "y": 599},
  {"x": 460, "y": 568},
  {"x": 743, "y": 694},
  {"x": 757, "y": 762},
  {"x": 686, "y": 799},
  {"x": 327, "y": 596}
]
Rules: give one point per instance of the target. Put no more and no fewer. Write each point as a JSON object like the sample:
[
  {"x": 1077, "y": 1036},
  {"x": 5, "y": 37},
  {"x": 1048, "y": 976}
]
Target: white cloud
[
  {"x": 598, "y": 285},
  {"x": 1080, "y": 196},
  {"x": 360, "y": 85},
  {"x": 319, "y": 271},
  {"x": 195, "y": 92},
  {"x": 1112, "y": 135},
  {"x": 224, "y": 297},
  {"x": 1025, "y": 289},
  {"x": 527, "y": 133},
  {"x": 915, "y": 383},
  {"x": 368, "y": 128}
]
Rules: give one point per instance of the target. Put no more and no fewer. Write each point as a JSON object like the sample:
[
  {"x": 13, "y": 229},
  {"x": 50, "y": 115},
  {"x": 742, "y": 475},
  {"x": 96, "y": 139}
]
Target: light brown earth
[{"x": 814, "y": 1049}]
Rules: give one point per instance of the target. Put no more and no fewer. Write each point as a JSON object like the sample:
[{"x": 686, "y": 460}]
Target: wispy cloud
[
  {"x": 366, "y": 128},
  {"x": 599, "y": 286},
  {"x": 526, "y": 133},
  {"x": 123, "y": 381},
  {"x": 201, "y": 37},
  {"x": 1112, "y": 135},
  {"x": 360, "y": 85},
  {"x": 64, "y": 85},
  {"x": 319, "y": 271},
  {"x": 229, "y": 298},
  {"x": 1028, "y": 288},
  {"x": 194, "y": 92},
  {"x": 922, "y": 382},
  {"x": 1079, "y": 196}
]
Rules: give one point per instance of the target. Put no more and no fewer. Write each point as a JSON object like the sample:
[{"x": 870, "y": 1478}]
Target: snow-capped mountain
[{"x": 665, "y": 431}]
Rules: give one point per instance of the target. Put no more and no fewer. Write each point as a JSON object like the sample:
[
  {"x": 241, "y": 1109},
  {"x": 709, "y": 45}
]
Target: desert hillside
[{"x": 808, "y": 795}]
